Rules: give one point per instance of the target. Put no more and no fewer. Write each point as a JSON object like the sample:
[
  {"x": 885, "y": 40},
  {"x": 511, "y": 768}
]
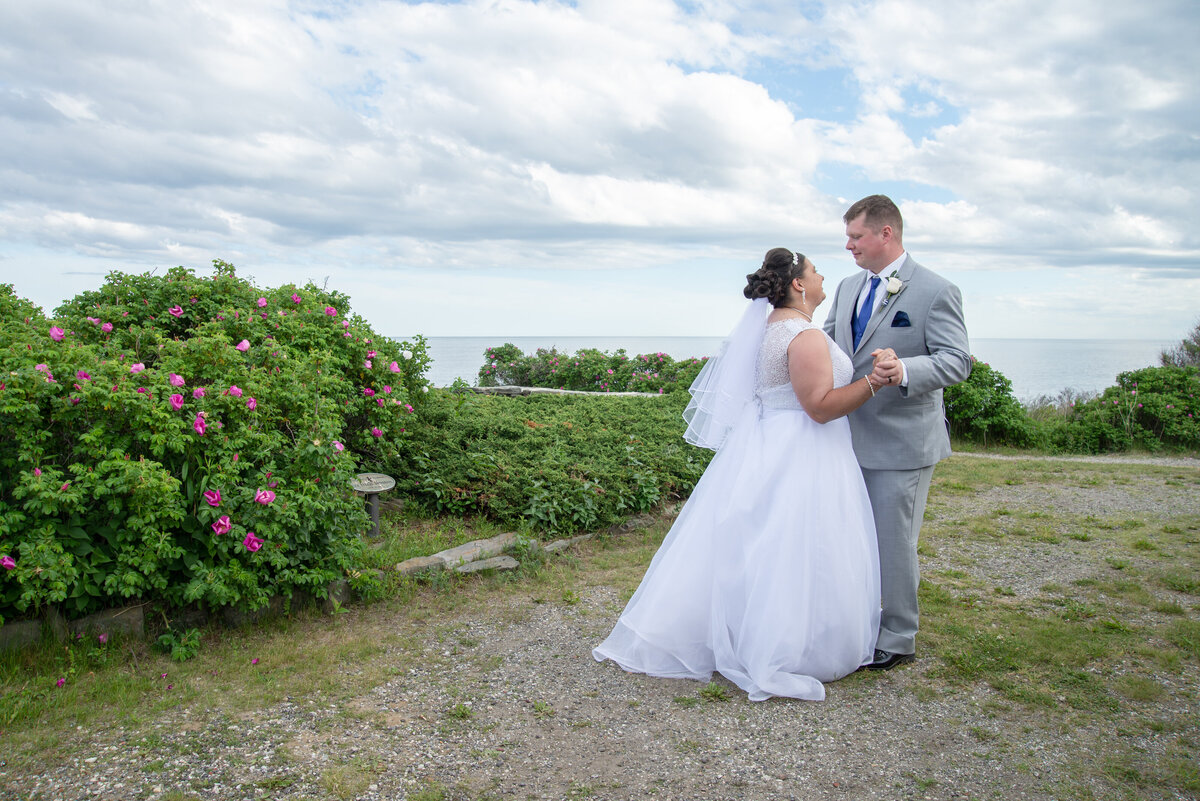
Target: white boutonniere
[{"x": 894, "y": 287}]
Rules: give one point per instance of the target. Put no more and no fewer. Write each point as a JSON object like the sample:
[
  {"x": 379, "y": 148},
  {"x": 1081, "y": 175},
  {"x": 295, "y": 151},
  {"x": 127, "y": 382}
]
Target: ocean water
[{"x": 1036, "y": 367}]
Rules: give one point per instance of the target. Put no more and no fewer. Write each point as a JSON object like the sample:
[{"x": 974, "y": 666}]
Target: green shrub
[
  {"x": 1151, "y": 408},
  {"x": 558, "y": 463},
  {"x": 127, "y": 414},
  {"x": 1186, "y": 353},
  {"x": 982, "y": 409},
  {"x": 589, "y": 370}
]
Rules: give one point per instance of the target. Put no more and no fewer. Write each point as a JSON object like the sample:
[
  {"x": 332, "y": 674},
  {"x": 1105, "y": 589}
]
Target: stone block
[
  {"x": 494, "y": 563},
  {"x": 20, "y": 634},
  {"x": 128, "y": 620},
  {"x": 558, "y": 546},
  {"x": 338, "y": 595},
  {"x": 419, "y": 564},
  {"x": 478, "y": 549}
]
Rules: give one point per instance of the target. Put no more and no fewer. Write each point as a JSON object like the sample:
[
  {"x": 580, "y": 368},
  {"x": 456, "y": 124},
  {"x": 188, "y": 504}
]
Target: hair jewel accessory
[{"x": 795, "y": 259}]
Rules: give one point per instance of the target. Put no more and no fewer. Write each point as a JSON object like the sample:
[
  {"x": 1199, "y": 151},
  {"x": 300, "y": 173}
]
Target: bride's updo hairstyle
[{"x": 771, "y": 280}]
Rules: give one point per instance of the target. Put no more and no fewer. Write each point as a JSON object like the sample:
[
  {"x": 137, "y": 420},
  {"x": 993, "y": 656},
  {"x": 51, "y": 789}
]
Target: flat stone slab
[
  {"x": 478, "y": 549},
  {"x": 128, "y": 620},
  {"x": 420, "y": 563},
  {"x": 495, "y": 563},
  {"x": 561, "y": 545},
  {"x": 20, "y": 634}
]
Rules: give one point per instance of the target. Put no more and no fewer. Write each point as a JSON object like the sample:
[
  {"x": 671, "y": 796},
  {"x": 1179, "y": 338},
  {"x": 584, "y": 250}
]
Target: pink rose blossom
[
  {"x": 198, "y": 392},
  {"x": 262, "y": 302},
  {"x": 63, "y": 488},
  {"x": 254, "y": 661},
  {"x": 137, "y": 368},
  {"x": 103, "y": 638},
  {"x": 222, "y": 526},
  {"x": 252, "y": 542},
  {"x": 375, "y": 432},
  {"x": 37, "y": 471},
  {"x": 387, "y": 389},
  {"x": 332, "y": 312},
  {"x": 7, "y": 562},
  {"x": 345, "y": 323},
  {"x": 370, "y": 354},
  {"x": 176, "y": 310},
  {"x": 243, "y": 346},
  {"x": 295, "y": 298},
  {"x": 370, "y": 393},
  {"x": 380, "y": 401},
  {"x": 56, "y": 333},
  {"x": 339, "y": 447},
  {"x": 94, "y": 320},
  {"x": 176, "y": 401},
  {"x": 395, "y": 368},
  {"x": 60, "y": 682},
  {"x": 106, "y": 328},
  {"x": 251, "y": 404},
  {"x": 213, "y": 497},
  {"x": 264, "y": 496},
  {"x": 408, "y": 408},
  {"x": 235, "y": 391},
  {"x": 367, "y": 364},
  {"x": 82, "y": 375},
  {"x": 176, "y": 380},
  {"x": 199, "y": 425},
  {"x": 141, "y": 390}
]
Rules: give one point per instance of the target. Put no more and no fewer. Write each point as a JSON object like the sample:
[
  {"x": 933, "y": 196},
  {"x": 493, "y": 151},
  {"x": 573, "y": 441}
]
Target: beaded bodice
[{"x": 772, "y": 382}]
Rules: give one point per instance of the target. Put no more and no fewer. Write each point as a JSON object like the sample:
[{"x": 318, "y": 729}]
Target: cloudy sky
[{"x": 608, "y": 167}]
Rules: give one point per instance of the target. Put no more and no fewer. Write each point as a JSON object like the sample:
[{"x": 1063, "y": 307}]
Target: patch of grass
[
  {"x": 460, "y": 711},
  {"x": 1185, "y": 634},
  {"x": 542, "y": 710},
  {"x": 1180, "y": 582},
  {"x": 1140, "y": 688},
  {"x": 713, "y": 692},
  {"x": 432, "y": 791},
  {"x": 686, "y": 701},
  {"x": 346, "y": 781}
]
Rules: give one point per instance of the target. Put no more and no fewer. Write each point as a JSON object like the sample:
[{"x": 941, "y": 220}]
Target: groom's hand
[{"x": 887, "y": 371}]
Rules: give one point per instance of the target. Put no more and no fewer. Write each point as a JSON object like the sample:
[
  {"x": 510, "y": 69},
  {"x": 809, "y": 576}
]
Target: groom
[{"x": 901, "y": 434}]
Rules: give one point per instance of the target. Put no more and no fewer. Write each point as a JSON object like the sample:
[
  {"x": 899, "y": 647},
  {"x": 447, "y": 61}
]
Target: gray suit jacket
[{"x": 905, "y": 428}]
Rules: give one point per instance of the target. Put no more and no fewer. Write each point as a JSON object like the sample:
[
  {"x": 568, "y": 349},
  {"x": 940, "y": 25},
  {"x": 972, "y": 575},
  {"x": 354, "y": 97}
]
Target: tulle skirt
[{"x": 770, "y": 574}]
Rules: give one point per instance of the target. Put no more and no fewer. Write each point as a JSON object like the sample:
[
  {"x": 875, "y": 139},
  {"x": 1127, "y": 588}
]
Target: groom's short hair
[{"x": 880, "y": 211}]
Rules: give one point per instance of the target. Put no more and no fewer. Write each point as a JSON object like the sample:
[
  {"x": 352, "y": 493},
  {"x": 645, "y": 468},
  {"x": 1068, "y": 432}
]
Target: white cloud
[{"x": 419, "y": 143}]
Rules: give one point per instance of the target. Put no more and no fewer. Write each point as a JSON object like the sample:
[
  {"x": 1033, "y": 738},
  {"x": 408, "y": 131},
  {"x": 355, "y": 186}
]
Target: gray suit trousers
[{"x": 898, "y": 502}]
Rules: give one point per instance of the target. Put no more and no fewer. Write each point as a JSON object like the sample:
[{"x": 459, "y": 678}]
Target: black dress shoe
[{"x": 886, "y": 660}]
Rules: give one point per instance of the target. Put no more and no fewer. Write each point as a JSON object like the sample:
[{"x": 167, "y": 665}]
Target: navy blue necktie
[{"x": 861, "y": 319}]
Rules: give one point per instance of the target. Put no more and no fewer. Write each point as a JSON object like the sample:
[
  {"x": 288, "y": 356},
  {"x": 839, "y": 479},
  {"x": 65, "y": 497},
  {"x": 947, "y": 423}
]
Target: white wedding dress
[{"x": 770, "y": 574}]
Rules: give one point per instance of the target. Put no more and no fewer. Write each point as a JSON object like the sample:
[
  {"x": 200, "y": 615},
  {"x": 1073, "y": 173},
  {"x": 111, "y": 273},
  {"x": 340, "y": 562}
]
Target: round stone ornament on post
[{"x": 371, "y": 484}]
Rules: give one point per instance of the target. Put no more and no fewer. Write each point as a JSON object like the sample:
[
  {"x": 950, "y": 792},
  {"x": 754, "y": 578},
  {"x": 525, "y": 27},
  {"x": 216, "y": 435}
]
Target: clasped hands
[{"x": 887, "y": 370}]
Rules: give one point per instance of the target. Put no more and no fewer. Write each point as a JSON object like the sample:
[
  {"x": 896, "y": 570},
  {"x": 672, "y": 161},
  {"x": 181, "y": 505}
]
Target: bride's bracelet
[{"x": 869, "y": 384}]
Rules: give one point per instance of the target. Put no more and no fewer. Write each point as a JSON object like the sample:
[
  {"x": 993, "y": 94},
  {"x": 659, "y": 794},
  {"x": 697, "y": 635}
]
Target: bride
[{"x": 770, "y": 574}]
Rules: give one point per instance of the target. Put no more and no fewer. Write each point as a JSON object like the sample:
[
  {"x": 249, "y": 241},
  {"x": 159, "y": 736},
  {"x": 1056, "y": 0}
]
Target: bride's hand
[{"x": 883, "y": 355}]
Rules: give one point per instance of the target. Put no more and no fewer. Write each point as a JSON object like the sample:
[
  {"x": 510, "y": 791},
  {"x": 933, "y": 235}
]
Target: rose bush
[
  {"x": 184, "y": 439},
  {"x": 589, "y": 370}
]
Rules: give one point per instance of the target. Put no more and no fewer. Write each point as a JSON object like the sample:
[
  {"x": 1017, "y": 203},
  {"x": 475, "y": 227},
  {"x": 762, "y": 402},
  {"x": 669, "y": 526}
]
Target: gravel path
[{"x": 503, "y": 700}]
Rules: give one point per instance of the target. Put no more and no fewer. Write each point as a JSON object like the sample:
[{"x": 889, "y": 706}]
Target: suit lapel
[{"x": 904, "y": 274}]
